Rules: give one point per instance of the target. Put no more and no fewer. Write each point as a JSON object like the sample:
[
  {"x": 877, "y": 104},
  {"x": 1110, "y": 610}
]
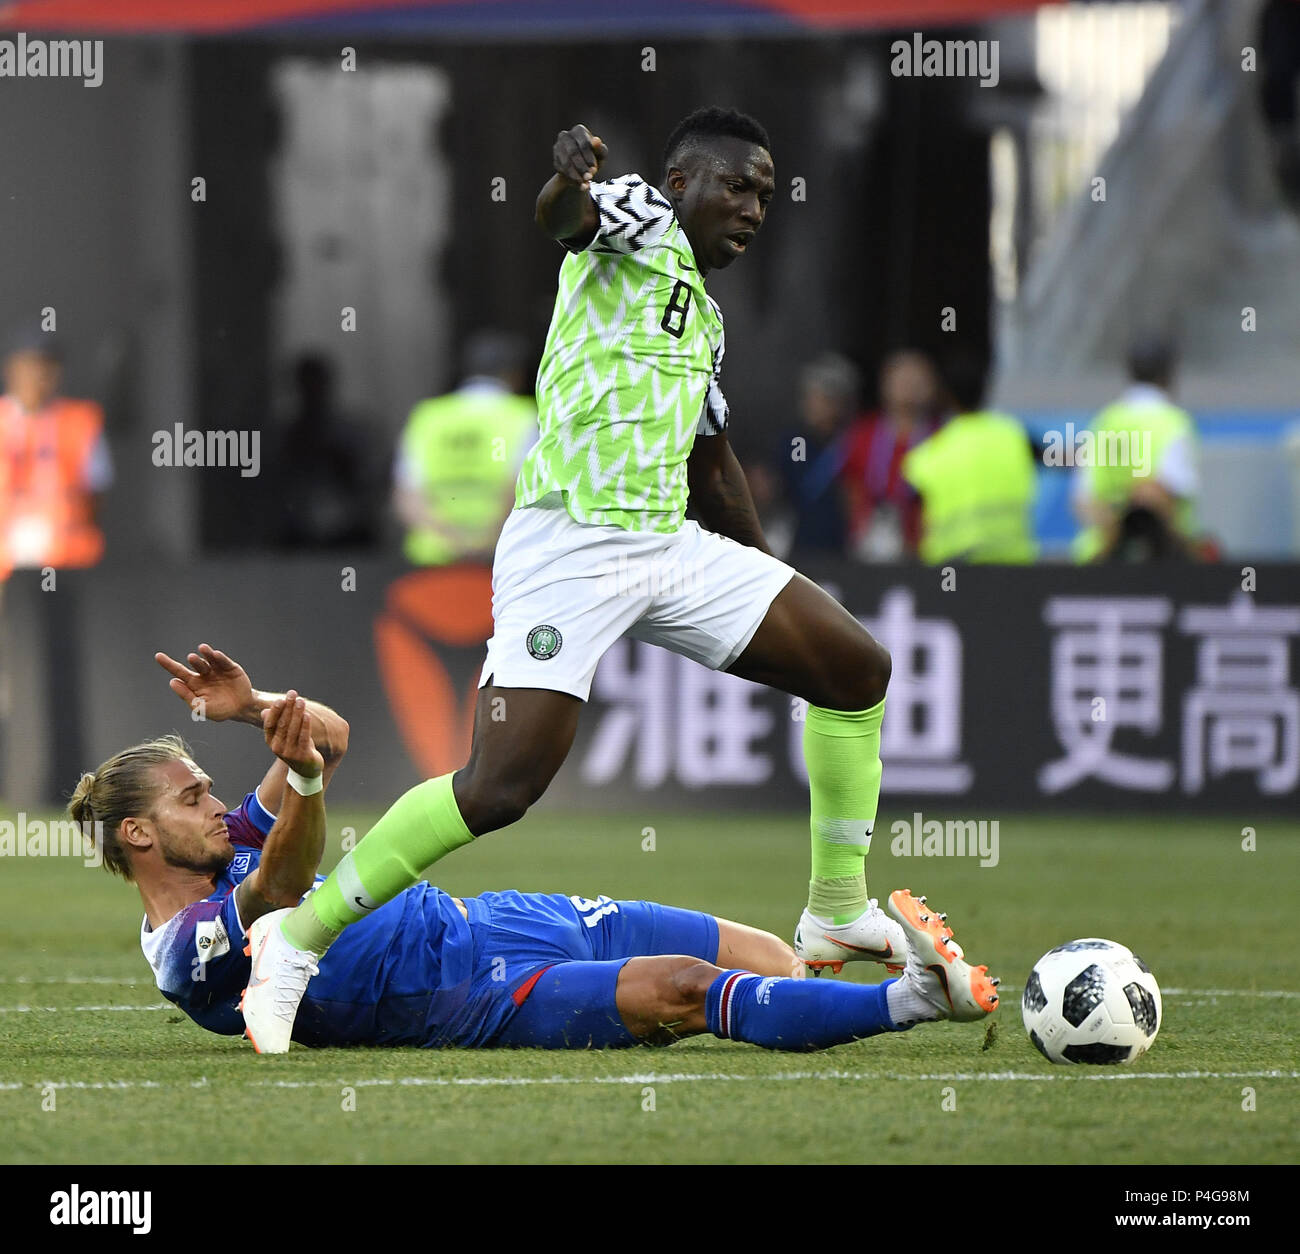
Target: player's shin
[
  {"x": 842, "y": 752},
  {"x": 421, "y": 826},
  {"x": 795, "y": 1014}
]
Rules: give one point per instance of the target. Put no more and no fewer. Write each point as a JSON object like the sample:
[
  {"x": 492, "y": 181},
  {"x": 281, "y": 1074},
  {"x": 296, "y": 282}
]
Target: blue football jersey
[{"x": 400, "y": 976}]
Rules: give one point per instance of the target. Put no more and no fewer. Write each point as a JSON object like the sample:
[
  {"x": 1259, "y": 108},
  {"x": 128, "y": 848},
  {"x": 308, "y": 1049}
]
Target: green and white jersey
[{"x": 629, "y": 375}]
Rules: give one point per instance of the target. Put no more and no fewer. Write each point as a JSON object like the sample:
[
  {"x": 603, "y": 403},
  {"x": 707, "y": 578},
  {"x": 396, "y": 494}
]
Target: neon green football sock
[
  {"x": 842, "y": 750},
  {"x": 421, "y": 826}
]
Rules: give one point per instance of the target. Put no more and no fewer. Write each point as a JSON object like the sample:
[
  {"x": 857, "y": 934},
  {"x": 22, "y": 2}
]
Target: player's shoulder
[
  {"x": 205, "y": 929},
  {"x": 249, "y": 823},
  {"x": 631, "y": 185},
  {"x": 195, "y": 934},
  {"x": 634, "y": 217},
  {"x": 241, "y": 865}
]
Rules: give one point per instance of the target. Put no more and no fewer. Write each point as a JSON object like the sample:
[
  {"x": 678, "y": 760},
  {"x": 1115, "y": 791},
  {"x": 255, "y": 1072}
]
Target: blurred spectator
[
  {"x": 460, "y": 455},
  {"x": 884, "y": 509},
  {"x": 325, "y": 474},
  {"x": 1148, "y": 446},
  {"x": 54, "y": 467},
  {"x": 975, "y": 476},
  {"x": 812, "y": 458},
  {"x": 54, "y": 464},
  {"x": 1279, "y": 80}
]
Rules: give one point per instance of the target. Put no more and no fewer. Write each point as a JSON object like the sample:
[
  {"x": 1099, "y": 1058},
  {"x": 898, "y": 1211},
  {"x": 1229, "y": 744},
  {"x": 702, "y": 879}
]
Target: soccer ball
[{"x": 1091, "y": 1001}]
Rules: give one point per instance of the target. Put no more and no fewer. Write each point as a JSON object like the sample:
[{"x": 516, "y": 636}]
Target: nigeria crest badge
[{"x": 544, "y": 642}]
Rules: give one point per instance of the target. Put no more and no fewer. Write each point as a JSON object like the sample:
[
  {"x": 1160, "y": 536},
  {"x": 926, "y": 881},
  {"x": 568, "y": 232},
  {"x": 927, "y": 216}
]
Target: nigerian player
[
  {"x": 632, "y": 420},
  {"x": 429, "y": 969}
]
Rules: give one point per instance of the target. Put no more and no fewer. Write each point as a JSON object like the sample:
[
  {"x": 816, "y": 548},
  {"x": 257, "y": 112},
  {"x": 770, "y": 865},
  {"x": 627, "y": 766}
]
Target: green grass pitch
[{"x": 93, "y": 1069}]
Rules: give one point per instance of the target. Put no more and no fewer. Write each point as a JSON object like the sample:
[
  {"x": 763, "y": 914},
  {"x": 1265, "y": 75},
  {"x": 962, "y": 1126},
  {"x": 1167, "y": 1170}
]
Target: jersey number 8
[{"x": 674, "y": 319}]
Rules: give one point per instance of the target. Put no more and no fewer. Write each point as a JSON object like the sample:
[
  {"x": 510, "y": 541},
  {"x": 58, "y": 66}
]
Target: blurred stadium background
[{"x": 201, "y": 220}]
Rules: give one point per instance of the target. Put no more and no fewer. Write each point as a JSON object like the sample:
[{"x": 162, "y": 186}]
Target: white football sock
[{"x": 906, "y": 1005}]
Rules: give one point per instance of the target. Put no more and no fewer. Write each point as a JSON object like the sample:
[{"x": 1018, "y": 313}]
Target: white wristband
[{"x": 305, "y": 785}]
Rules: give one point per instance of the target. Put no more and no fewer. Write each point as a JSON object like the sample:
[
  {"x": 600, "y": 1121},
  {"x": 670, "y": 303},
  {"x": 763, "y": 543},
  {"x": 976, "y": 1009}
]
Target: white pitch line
[
  {"x": 654, "y": 1077},
  {"x": 22, "y": 1010},
  {"x": 70, "y": 979},
  {"x": 1230, "y": 992},
  {"x": 779, "y": 1077},
  {"x": 200, "y": 1083}
]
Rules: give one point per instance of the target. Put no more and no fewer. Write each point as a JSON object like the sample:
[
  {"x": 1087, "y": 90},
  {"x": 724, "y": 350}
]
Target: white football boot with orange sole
[
  {"x": 872, "y": 937},
  {"x": 936, "y": 968}
]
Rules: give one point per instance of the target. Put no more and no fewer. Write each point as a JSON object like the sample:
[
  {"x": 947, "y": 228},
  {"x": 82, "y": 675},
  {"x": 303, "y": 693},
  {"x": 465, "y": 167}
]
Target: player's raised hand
[
  {"x": 577, "y": 155},
  {"x": 219, "y": 682},
  {"x": 286, "y": 724}
]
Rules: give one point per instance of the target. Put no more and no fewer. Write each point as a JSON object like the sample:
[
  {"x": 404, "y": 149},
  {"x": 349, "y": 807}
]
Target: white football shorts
[{"x": 563, "y": 592}]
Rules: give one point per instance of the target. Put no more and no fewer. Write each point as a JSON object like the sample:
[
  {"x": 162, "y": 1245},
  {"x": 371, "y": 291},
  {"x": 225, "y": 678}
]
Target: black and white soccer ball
[{"x": 1091, "y": 1001}]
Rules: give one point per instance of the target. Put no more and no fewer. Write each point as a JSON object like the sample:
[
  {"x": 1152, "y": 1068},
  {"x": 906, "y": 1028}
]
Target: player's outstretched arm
[
  {"x": 565, "y": 210},
  {"x": 719, "y": 493},
  {"x": 294, "y": 845},
  {"x": 225, "y": 692}
]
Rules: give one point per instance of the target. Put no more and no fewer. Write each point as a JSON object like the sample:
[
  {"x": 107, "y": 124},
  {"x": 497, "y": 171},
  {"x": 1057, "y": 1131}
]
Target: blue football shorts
[{"x": 562, "y": 956}]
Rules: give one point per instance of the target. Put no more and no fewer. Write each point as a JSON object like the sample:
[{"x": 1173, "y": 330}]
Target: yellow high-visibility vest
[
  {"x": 975, "y": 476},
  {"x": 1112, "y": 482},
  {"x": 466, "y": 448}
]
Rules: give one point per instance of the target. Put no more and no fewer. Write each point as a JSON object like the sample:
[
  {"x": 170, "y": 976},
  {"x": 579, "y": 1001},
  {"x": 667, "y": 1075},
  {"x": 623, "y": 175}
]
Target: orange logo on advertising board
[{"x": 434, "y": 625}]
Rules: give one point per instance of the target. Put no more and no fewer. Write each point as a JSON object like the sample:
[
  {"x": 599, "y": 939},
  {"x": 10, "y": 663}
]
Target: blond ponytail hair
[{"x": 123, "y": 787}]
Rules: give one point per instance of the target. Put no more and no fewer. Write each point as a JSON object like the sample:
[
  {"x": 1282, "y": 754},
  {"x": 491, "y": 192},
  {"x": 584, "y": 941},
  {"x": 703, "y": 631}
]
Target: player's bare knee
[
  {"x": 686, "y": 987},
  {"x": 853, "y": 673},
  {"x": 779, "y": 959},
  {"x": 882, "y": 666},
  {"x": 871, "y": 673},
  {"x": 489, "y": 803},
  {"x": 511, "y": 801}
]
